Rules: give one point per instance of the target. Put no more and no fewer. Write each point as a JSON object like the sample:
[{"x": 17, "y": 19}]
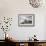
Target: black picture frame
[{"x": 27, "y": 20}]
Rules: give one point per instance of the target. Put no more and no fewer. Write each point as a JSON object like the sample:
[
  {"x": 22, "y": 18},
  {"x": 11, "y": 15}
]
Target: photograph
[{"x": 26, "y": 19}]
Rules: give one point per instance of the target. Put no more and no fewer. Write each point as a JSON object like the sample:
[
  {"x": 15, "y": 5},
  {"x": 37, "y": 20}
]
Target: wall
[{"x": 11, "y": 8}]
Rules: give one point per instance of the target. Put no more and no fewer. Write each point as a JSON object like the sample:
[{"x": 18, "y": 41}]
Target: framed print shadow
[{"x": 27, "y": 20}]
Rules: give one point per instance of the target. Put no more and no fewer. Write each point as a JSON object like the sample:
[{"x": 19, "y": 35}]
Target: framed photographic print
[{"x": 26, "y": 20}]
